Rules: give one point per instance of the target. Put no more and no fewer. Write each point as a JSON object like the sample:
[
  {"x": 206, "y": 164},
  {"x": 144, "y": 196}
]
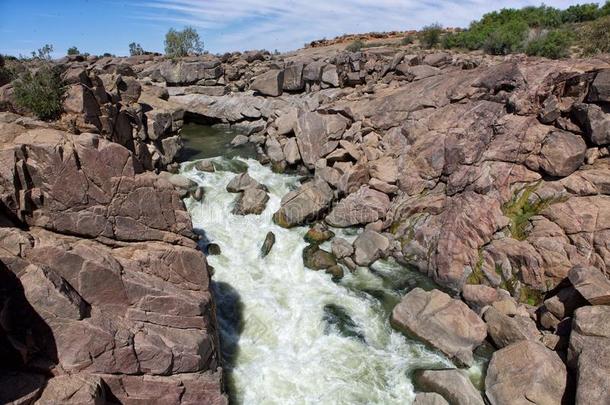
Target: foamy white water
[{"x": 291, "y": 335}]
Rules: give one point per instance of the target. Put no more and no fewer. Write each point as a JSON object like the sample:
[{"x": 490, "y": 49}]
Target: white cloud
[{"x": 284, "y": 25}]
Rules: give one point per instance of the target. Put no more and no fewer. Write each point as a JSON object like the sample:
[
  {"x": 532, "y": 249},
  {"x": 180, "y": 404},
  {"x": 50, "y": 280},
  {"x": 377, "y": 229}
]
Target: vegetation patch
[
  {"x": 41, "y": 92},
  {"x": 541, "y": 31},
  {"x": 523, "y": 206}
]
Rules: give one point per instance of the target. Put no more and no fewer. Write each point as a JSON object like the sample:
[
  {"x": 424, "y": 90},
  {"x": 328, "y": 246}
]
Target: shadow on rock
[{"x": 27, "y": 346}]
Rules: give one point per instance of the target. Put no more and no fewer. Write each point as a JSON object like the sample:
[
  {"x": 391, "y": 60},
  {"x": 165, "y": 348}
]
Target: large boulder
[
  {"x": 444, "y": 323},
  {"x": 242, "y": 182},
  {"x": 305, "y": 204},
  {"x": 293, "y": 77},
  {"x": 594, "y": 122},
  {"x": 591, "y": 283},
  {"x": 600, "y": 88},
  {"x": 370, "y": 246},
  {"x": 362, "y": 207},
  {"x": 313, "y": 129},
  {"x": 505, "y": 330},
  {"x": 454, "y": 385},
  {"x": 269, "y": 83},
  {"x": 589, "y": 354},
  {"x": 185, "y": 73},
  {"x": 252, "y": 201},
  {"x": 525, "y": 373},
  {"x": 562, "y": 153}
]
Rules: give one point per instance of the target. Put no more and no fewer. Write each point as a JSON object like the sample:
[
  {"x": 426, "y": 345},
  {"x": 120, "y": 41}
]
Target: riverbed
[{"x": 291, "y": 335}]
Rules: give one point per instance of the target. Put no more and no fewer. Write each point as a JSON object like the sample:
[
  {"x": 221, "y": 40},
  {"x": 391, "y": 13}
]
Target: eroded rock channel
[{"x": 377, "y": 173}]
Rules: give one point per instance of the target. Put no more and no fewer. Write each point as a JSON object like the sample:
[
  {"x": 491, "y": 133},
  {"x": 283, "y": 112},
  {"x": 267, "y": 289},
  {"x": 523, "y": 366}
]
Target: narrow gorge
[{"x": 392, "y": 225}]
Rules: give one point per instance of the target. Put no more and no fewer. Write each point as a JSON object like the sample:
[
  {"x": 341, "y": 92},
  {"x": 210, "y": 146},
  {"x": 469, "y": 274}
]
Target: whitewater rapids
[{"x": 291, "y": 335}]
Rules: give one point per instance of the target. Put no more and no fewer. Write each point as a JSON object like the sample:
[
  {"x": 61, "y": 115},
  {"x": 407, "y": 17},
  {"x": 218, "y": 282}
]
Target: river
[{"x": 291, "y": 335}]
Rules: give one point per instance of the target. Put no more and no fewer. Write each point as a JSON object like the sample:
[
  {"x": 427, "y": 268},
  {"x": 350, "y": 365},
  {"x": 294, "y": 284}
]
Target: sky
[{"x": 99, "y": 26}]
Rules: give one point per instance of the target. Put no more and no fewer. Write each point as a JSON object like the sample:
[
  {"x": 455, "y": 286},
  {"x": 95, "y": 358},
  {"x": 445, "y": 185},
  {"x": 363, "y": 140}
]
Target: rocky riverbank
[{"x": 488, "y": 174}]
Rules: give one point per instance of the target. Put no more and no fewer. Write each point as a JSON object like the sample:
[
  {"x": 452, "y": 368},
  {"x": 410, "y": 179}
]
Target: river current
[{"x": 291, "y": 335}]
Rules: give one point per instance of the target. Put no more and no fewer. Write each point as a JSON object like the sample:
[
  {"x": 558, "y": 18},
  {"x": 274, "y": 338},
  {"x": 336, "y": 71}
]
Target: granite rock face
[{"x": 106, "y": 290}]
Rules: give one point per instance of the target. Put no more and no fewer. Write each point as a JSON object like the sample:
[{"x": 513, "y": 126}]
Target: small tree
[
  {"x": 182, "y": 43},
  {"x": 43, "y": 53},
  {"x": 73, "y": 51},
  {"x": 135, "y": 49},
  {"x": 430, "y": 35},
  {"x": 41, "y": 92}
]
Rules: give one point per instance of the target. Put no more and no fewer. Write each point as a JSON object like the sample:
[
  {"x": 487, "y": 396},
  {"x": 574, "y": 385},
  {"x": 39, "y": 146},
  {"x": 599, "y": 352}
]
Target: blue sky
[{"x": 98, "y": 26}]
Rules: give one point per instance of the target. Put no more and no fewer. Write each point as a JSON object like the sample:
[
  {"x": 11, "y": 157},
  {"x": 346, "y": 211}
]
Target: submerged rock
[
  {"x": 444, "y": 323},
  {"x": 268, "y": 244}
]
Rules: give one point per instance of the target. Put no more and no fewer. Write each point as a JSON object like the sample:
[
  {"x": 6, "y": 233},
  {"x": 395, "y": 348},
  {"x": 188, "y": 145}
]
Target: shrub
[
  {"x": 182, "y": 43},
  {"x": 595, "y": 36},
  {"x": 508, "y": 38},
  {"x": 41, "y": 92},
  {"x": 408, "y": 40},
  {"x": 6, "y": 74},
  {"x": 355, "y": 46},
  {"x": 135, "y": 49},
  {"x": 430, "y": 35},
  {"x": 554, "y": 45},
  {"x": 73, "y": 51}
]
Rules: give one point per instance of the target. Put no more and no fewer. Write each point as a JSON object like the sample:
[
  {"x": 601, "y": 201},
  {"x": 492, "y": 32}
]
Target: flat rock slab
[{"x": 444, "y": 323}]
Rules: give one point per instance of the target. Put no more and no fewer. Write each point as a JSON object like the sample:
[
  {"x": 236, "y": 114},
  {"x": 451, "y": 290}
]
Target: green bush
[
  {"x": 355, "y": 46},
  {"x": 408, "y": 40},
  {"x": 6, "y": 74},
  {"x": 430, "y": 35},
  {"x": 182, "y": 43},
  {"x": 508, "y": 38},
  {"x": 580, "y": 13},
  {"x": 554, "y": 45},
  {"x": 506, "y": 31},
  {"x": 595, "y": 37},
  {"x": 73, "y": 51},
  {"x": 41, "y": 92}
]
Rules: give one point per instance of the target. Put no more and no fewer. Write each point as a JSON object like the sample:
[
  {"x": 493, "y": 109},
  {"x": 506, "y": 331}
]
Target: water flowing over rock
[{"x": 440, "y": 321}]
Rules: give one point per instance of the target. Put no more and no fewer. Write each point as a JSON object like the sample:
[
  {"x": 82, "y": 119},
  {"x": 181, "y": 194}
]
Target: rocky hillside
[{"x": 489, "y": 174}]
